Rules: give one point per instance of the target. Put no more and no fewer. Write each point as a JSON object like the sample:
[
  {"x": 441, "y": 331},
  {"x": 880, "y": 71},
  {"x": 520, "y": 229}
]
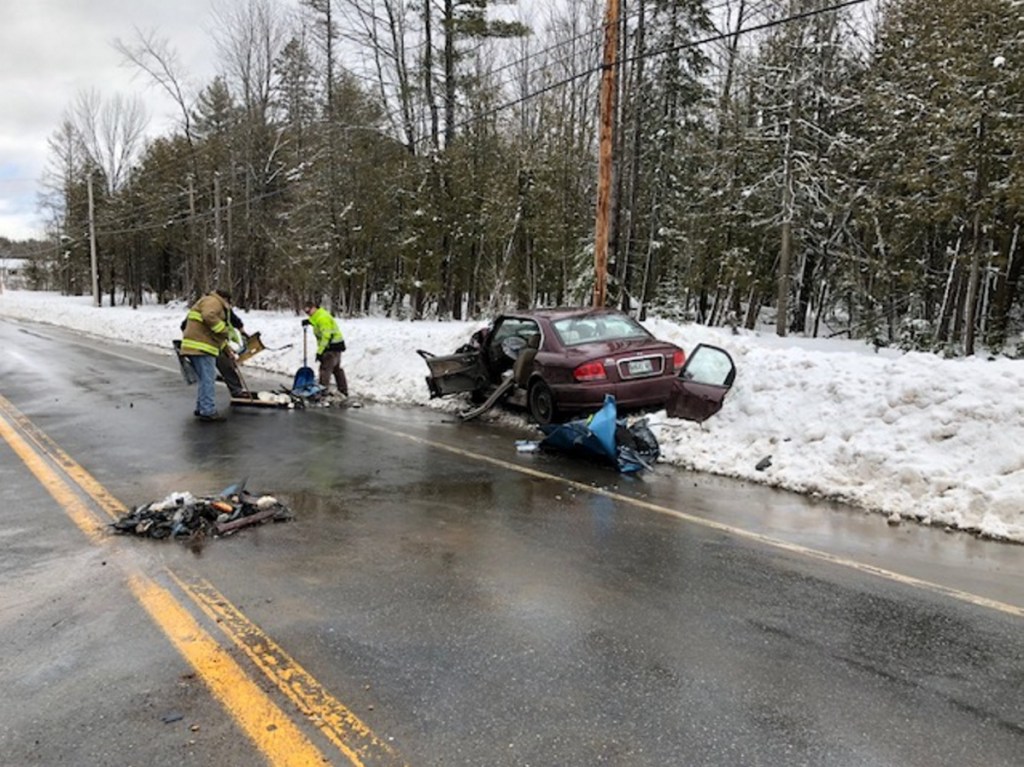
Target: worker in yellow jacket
[
  {"x": 329, "y": 345},
  {"x": 206, "y": 334}
]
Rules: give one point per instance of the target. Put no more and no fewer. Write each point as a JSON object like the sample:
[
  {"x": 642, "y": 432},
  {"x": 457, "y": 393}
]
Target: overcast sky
[{"x": 51, "y": 50}]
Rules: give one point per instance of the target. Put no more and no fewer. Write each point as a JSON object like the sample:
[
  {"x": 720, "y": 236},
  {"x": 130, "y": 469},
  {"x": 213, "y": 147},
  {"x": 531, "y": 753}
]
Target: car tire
[{"x": 541, "y": 402}]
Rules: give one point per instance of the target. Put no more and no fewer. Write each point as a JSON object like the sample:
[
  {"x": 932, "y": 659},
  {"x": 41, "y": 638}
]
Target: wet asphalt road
[{"x": 474, "y": 606}]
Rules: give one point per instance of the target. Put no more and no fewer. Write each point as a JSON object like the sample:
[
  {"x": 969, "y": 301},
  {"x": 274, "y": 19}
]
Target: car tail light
[
  {"x": 678, "y": 360},
  {"x": 590, "y": 371}
]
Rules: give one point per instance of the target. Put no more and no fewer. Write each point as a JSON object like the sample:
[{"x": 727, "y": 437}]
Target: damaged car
[{"x": 556, "y": 363}]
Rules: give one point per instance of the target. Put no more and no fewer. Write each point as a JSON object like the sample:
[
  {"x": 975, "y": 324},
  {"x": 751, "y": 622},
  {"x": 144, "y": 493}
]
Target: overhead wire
[
  {"x": 716, "y": 38},
  {"x": 534, "y": 55}
]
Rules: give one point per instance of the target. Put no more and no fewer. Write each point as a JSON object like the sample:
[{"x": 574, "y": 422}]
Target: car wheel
[{"x": 541, "y": 401}]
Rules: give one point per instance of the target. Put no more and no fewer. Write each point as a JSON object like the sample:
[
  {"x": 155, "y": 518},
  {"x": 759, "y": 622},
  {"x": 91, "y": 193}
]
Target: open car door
[
  {"x": 700, "y": 388},
  {"x": 454, "y": 373}
]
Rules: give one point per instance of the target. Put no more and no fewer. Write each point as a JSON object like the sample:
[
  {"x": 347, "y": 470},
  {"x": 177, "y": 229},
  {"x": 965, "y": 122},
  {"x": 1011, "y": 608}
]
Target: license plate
[{"x": 640, "y": 367}]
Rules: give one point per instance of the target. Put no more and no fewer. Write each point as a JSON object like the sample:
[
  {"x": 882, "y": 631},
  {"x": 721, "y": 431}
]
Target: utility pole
[
  {"x": 604, "y": 165},
  {"x": 229, "y": 281},
  {"x": 92, "y": 245},
  {"x": 199, "y": 274},
  {"x": 218, "y": 235},
  {"x": 786, "y": 246}
]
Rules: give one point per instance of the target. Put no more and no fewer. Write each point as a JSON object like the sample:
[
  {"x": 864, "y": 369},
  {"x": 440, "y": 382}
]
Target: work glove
[{"x": 305, "y": 323}]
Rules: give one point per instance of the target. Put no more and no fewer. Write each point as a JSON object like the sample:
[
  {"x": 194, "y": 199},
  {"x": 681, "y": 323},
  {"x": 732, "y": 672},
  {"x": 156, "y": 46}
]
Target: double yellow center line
[{"x": 272, "y": 731}]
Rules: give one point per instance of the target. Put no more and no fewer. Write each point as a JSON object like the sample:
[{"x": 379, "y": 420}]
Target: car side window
[
  {"x": 709, "y": 365},
  {"x": 513, "y": 326}
]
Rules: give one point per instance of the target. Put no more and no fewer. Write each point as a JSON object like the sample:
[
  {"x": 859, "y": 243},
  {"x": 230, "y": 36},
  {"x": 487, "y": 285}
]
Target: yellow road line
[
  {"x": 52, "y": 483},
  {"x": 739, "y": 532},
  {"x": 271, "y": 730},
  {"x": 103, "y": 498},
  {"x": 342, "y": 727}
]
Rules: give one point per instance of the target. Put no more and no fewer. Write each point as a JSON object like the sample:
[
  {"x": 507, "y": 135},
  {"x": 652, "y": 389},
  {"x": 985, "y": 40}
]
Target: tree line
[{"x": 834, "y": 167}]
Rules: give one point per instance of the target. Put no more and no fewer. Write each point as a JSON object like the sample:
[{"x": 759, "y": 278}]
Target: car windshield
[{"x": 588, "y": 329}]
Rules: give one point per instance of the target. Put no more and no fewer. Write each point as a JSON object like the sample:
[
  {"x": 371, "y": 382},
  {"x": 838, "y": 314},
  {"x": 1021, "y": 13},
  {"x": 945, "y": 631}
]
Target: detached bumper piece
[{"x": 183, "y": 516}]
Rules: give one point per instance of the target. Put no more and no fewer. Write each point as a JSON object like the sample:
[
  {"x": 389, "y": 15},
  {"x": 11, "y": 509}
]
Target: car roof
[{"x": 563, "y": 312}]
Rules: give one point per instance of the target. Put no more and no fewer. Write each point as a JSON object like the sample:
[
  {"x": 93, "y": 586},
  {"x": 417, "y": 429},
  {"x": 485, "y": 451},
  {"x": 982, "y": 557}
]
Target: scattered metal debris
[{"x": 182, "y": 515}]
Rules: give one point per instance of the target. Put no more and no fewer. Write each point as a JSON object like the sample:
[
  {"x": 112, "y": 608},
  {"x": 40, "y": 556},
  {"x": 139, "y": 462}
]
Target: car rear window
[{"x": 593, "y": 329}]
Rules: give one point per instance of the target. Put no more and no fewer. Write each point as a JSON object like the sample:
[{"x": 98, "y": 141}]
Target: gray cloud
[{"x": 52, "y": 50}]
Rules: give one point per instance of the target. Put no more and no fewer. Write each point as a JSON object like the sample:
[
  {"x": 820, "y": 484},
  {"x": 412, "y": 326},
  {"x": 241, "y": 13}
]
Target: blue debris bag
[{"x": 595, "y": 437}]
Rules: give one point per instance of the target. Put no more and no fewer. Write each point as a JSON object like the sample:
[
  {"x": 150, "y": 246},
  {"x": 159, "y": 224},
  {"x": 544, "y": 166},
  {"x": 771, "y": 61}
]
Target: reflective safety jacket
[
  {"x": 325, "y": 328},
  {"x": 206, "y": 326}
]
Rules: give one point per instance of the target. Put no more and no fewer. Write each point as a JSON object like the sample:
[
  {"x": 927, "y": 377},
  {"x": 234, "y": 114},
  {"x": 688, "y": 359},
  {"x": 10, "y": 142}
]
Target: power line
[
  {"x": 175, "y": 199},
  {"x": 718, "y": 37}
]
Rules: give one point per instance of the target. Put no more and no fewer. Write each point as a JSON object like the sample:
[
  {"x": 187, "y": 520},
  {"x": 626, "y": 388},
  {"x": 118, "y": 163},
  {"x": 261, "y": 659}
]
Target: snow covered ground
[{"x": 940, "y": 441}]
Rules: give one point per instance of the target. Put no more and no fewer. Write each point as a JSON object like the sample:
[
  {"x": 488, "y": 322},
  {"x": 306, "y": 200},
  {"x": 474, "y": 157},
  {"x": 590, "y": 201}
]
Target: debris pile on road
[
  {"x": 182, "y": 515},
  {"x": 630, "y": 446}
]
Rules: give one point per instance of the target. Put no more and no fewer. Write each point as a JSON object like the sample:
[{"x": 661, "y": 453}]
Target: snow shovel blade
[
  {"x": 253, "y": 346},
  {"x": 304, "y": 378}
]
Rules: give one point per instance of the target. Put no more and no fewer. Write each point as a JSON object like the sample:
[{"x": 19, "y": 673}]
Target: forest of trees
[{"x": 835, "y": 167}]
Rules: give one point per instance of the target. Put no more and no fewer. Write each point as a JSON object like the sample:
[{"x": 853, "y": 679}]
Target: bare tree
[
  {"x": 250, "y": 38},
  {"x": 158, "y": 59},
  {"x": 383, "y": 29},
  {"x": 65, "y": 198},
  {"x": 112, "y": 133}
]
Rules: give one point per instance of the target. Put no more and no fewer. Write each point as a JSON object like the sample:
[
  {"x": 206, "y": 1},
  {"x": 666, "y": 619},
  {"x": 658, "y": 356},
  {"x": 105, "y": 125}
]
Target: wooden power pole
[
  {"x": 604, "y": 165},
  {"x": 93, "y": 263}
]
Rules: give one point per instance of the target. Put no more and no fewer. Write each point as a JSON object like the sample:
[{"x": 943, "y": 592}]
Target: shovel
[{"x": 304, "y": 376}]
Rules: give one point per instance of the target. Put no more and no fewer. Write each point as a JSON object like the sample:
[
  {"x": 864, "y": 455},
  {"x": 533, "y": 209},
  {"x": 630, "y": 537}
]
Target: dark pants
[
  {"x": 229, "y": 374},
  {"x": 330, "y": 364}
]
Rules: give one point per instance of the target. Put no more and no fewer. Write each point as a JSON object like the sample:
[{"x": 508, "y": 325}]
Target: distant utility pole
[
  {"x": 604, "y": 165},
  {"x": 218, "y": 240},
  {"x": 92, "y": 245}
]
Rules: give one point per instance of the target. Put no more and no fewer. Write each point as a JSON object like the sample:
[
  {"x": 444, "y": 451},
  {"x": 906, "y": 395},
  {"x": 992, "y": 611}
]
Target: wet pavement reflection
[{"x": 480, "y": 606}]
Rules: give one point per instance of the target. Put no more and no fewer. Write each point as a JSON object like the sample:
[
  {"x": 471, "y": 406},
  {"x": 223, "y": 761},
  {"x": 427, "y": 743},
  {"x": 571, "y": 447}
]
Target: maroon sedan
[{"x": 556, "y": 362}]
